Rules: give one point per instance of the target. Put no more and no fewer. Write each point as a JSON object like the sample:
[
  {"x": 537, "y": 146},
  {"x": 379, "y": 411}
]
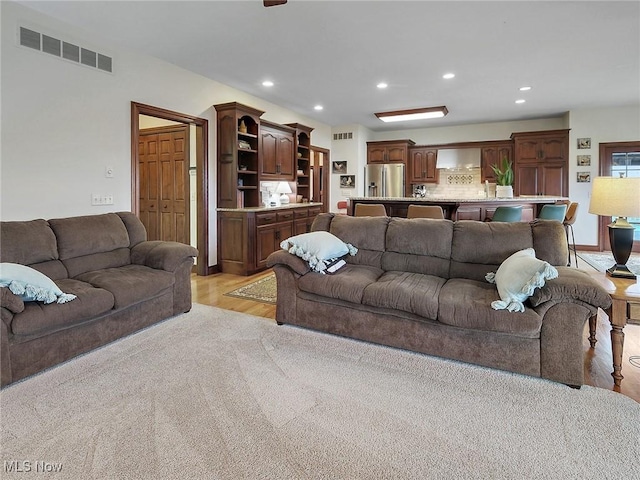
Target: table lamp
[
  {"x": 283, "y": 188},
  {"x": 617, "y": 197}
]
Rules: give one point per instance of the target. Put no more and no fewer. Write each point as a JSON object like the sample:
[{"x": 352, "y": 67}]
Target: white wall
[
  {"x": 63, "y": 123},
  {"x": 354, "y": 152},
  {"x": 602, "y": 125}
]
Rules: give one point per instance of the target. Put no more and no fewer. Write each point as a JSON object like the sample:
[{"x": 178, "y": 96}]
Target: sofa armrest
[
  {"x": 295, "y": 263},
  {"x": 572, "y": 286},
  {"x": 162, "y": 255},
  {"x": 10, "y": 301}
]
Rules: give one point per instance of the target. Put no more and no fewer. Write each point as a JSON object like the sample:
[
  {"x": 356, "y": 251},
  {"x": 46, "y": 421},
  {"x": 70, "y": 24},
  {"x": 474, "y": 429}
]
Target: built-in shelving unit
[{"x": 303, "y": 159}]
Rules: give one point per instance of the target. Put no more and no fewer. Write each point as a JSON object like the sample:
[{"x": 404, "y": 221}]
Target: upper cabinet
[
  {"x": 392, "y": 151},
  {"x": 276, "y": 152},
  {"x": 422, "y": 165},
  {"x": 493, "y": 155},
  {"x": 550, "y": 146},
  {"x": 302, "y": 149},
  {"x": 237, "y": 129}
]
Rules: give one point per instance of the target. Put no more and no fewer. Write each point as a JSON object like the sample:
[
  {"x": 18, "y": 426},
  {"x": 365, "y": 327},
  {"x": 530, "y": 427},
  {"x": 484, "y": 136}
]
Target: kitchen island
[{"x": 460, "y": 208}]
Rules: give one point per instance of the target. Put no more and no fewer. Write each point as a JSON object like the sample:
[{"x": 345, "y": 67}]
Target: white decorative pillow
[
  {"x": 517, "y": 278},
  {"x": 318, "y": 248},
  {"x": 31, "y": 285}
]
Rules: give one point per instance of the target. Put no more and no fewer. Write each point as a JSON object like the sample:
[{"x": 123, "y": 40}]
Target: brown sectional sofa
[
  {"x": 122, "y": 281},
  {"x": 419, "y": 284}
]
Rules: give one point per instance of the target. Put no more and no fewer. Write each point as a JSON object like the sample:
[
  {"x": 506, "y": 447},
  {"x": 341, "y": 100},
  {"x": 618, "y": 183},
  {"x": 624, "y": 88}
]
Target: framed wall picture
[
  {"x": 584, "y": 143},
  {"x": 347, "y": 181},
  {"x": 584, "y": 160},
  {"x": 584, "y": 177},
  {"x": 339, "y": 167}
]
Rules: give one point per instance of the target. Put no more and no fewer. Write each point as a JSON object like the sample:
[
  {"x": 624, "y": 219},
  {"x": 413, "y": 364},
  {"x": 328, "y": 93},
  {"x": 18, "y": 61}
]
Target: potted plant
[{"x": 504, "y": 179}]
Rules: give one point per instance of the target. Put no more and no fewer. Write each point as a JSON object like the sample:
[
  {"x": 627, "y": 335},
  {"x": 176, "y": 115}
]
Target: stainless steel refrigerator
[{"x": 384, "y": 180}]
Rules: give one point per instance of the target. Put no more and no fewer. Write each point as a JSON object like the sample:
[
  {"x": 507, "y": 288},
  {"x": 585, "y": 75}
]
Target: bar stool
[
  {"x": 507, "y": 214},
  {"x": 553, "y": 212},
  {"x": 369, "y": 210},
  {"x": 569, "y": 220},
  {"x": 425, "y": 211}
]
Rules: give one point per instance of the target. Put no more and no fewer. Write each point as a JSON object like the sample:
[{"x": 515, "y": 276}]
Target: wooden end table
[{"x": 625, "y": 296}]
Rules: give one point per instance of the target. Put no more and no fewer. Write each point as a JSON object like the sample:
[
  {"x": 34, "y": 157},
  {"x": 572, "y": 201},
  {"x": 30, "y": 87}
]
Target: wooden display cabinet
[
  {"x": 237, "y": 128},
  {"x": 303, "y": 159},
  {"x": 422, "y": 166}
]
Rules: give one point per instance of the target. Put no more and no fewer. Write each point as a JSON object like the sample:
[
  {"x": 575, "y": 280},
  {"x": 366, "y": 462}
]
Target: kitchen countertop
[
  {"x": 268, "y": 209},
  {"x": 434, "y": 199}
]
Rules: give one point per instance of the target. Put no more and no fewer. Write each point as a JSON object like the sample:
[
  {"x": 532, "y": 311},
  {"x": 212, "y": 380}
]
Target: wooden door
[
  {"x": 164, "y": 183},
  {"x": 320, "y": 166},
  {"x": 552, "y": 178},
  {"x": 526, "y": 180}
]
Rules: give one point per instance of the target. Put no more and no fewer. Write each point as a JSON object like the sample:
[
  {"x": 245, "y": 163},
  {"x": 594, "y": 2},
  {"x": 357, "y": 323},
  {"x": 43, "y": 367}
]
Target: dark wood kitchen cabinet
[
  {"x": 494, "y": 154},
  {"x": 276, "y": 152},
  {"x": 391, "y": 151},
  {"x": 422, "y": 165},
  {"x": 541, "y": 163},
  {"x": 271, "y": 229}
]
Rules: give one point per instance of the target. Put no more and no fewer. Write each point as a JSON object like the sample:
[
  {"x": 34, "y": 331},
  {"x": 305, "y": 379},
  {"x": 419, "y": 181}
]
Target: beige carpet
[
  {"x": 215, "y": 394},
  {"x": 262, "y": 290}
]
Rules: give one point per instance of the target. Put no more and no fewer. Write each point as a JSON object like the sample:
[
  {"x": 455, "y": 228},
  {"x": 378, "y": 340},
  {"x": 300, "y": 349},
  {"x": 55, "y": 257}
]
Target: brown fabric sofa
[
  {"x": 419, "y": 284},
  {"x": 123, "y": 283}
]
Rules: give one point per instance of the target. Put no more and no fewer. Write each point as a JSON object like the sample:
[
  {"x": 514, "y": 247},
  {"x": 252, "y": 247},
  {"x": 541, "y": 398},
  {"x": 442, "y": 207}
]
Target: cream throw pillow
[
  {"x": 318, "y": 248},
  {"x": 31, "y": 285},
  {"x": 517, "y": 278}
]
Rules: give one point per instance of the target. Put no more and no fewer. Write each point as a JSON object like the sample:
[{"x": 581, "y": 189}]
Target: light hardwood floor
[{"x": 598, "y": 361}]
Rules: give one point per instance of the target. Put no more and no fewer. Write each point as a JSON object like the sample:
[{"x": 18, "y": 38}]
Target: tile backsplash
[{"x": 459, "y": 184}]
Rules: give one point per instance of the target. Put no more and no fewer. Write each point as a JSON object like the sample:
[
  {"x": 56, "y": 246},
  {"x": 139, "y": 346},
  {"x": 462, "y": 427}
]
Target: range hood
[{"x": 458, "y": 158}]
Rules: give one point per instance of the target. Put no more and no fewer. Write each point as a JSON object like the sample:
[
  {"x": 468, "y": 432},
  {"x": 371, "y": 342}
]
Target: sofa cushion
[
  {"x": 420, "y": 245},
  {"x": 410, "y": 292},
  {"x": 40, "y": 318},
  {"x": 130, "y": 284},
  {"x": 367, "y": 234},
  {"x": 87, "y": 235},
  {"x": 478, "y": 247},
  {"x": 467, "y": 304},
  {"x": 348, "y": 284},
  {"x": 27, "y": 242}
]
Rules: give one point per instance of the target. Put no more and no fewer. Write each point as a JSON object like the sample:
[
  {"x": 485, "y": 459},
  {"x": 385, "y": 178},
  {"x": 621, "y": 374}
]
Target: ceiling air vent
[{"x": 61, "y": 49}]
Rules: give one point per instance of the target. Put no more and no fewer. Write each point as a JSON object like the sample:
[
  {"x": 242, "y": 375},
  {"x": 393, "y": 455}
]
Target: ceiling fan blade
[{"x": 273, "y": 3}]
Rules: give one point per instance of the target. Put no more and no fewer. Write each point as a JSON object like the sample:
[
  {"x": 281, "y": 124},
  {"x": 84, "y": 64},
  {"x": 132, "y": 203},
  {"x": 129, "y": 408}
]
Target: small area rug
[
  {"x": 217, "y": 394},
  {"x": 263, "y": 290},
  {"x": 603, "y": 260}
]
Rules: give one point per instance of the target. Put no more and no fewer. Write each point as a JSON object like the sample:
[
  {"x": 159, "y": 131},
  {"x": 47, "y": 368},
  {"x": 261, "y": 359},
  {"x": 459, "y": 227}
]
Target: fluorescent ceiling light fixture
[
  {"x": 525, "y": 89},
  {"x": 267, "y": 83},
  {"x": 414, "y": 114},
  {"x": 448, "y": 76},
  {"x": 318, "y": 107},
  {"x": 520, "y": 100},
  {"x": 382, "y": 85}
]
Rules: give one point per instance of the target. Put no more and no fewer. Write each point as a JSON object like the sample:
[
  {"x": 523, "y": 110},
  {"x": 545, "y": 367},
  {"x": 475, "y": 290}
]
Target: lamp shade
[
  {"x": 283, "y": 187},
  {"x": 615, "y": 197}
]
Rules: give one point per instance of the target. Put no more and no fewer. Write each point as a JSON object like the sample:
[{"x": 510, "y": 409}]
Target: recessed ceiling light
[
  {"x": 525, "y": 89},
  {"x": 267, "y": 83},
  {"x": 414, "y": 114},
  {"x": 382, "y": 85},
  {"x": 318, "y": 107},
  {"x": 520, "y": 100},
  {"x": 448, "y": 76}
]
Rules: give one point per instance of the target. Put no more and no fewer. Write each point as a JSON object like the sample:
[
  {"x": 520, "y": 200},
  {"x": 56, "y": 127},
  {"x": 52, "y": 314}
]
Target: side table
[{"x": 625, "y": 296}]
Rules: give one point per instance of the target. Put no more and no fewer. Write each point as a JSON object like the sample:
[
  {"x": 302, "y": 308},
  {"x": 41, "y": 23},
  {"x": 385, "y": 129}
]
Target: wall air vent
[
  {"x": 61, "y": 49},
  {"x": 343, "y": 136}
]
